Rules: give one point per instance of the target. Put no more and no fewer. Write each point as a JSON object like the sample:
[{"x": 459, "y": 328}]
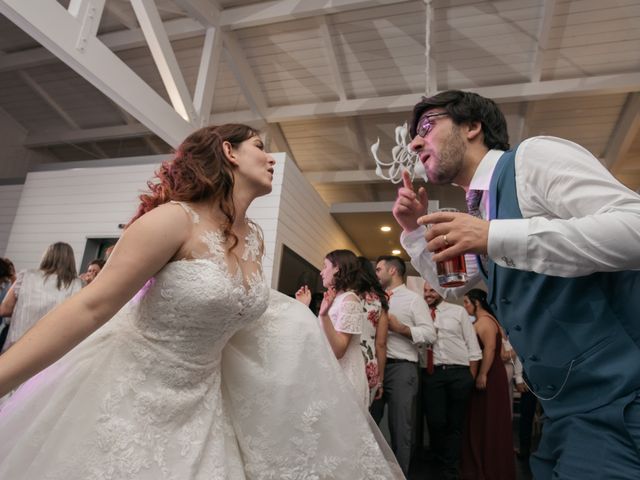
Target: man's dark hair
[
  {"x": 98, "y": 261},
  {"x": 466, "y": 107},
  {"x": 396, "y": 262}
]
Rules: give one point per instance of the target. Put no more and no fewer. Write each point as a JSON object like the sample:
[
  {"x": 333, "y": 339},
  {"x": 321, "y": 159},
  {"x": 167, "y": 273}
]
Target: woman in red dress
[{"x": 487, "y": 452}]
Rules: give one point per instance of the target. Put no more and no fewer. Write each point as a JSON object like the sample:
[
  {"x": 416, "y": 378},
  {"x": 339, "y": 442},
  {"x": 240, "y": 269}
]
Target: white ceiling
[{"x": 325, "y": 79}]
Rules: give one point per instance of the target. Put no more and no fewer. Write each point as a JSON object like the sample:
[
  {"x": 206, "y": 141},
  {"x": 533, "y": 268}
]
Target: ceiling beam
[
  {"x": 207, "y": 12},
  {"x": 265, "y": 13},
  {"x": 239, "y": 65},
  {"x": 126, "y": 116},
  {"x": 571, "y": 87},
  {"x": 624, "y": 133},
  {"x": 204, "y": 13},
  {"x": 372, "y": 207},
  {"x": 116, "y": 41},
  {"x": 208, "y": 74},
  {"x": 344, "y": 176},
  {"x": 64, "y": 136},
  {"x": 122, "y": 15},
  {"x": 431, "y": 69},
  {"x": 55, "y": 106},
  {"x": 544, "y": 29},
  {"x": 326, "y": 32},
  {"x": 51, "y": 25},
  {"x": 164, "y": 57},
  {"x": 361, "y": 207},
  {"x": 600, "y": 85}
]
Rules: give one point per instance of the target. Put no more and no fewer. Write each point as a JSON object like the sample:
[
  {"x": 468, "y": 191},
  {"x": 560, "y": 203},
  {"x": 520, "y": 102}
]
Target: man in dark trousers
[
  {"x": 558, "y": 244},
  {"x": 409, "y": 326},
  {"x": 450, "y": 367}
]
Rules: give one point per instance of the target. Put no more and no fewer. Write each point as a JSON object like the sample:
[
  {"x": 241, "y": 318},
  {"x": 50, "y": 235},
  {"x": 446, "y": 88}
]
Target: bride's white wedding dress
[{"x": 196, "y": 379}]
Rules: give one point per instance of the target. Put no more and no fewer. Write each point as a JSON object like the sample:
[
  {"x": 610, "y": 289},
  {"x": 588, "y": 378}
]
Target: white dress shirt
[
  {"x": 411, "y": 309},
  {"x": 578, "y": 219},
  {"x": 457, "y": 343}
]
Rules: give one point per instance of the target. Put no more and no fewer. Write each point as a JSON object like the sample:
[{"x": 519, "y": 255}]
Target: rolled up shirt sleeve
[
  {"x": 423, "y": 330},
  {"x": 578, "y": 218}
]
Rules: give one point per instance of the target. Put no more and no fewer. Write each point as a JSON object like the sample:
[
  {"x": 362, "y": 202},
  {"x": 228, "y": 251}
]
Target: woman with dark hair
[
  {"x": 374, "y": 333},
  {"x": 487, "y": 451},
  {"x": 342, "y": 316},
  {"x": 36, "y": 292},
  {"x": 194, "y": 378}
]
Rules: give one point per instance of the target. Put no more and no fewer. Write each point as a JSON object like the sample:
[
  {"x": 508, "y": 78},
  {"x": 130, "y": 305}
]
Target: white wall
[
  {"x": 305, "y": 224},
  {"x": 73, "y": 204},
  {"x": 65, "y": 204},
  {"x": 9, "y": 199}
]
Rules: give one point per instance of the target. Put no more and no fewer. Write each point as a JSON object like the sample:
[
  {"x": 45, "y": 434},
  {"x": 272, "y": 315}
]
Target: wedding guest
[
  {"x": 409, "y": 326},
  {"x": 557, "y": 237},
  {"x": 342, "y": 316},
  {"x": 36, "y": 292},
  {"x": 376, "y": 327},
  {"x": 487, "y": 451},
  {"x": 92, "y": 270},
  {"x": 448, "y": 376}
]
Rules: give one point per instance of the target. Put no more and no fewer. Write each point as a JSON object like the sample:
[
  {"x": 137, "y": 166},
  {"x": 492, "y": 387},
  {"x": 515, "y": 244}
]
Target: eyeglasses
[{"x": 425, "y": 124}]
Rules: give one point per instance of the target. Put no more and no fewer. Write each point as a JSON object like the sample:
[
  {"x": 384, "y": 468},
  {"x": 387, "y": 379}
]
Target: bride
[{"x": 205, "y": 373}]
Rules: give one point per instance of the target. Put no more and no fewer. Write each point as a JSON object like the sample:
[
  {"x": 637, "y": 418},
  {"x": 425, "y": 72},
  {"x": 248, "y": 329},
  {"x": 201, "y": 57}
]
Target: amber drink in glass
[{"x": 453, "y": 272}]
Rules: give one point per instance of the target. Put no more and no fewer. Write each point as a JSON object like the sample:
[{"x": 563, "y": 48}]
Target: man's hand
[
  {"x": 522, "y": 387},
  {"x": 454, "y": 233},
  {"x": 398, "y": 327},
  {"x": 409, "y": 206}
]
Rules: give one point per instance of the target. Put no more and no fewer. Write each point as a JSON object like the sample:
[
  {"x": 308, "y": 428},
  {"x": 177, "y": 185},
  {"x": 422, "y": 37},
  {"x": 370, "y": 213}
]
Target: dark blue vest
[{"x": 578, "y": 338}]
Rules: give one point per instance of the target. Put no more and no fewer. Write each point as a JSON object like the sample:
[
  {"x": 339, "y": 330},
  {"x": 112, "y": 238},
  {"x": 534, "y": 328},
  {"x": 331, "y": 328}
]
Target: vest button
[
  {"x": 505, "y": 300},
  {"x": 533, "y": 358},
  {"x": 517, "y": 328},
  {"x": 551, "y": 387}
]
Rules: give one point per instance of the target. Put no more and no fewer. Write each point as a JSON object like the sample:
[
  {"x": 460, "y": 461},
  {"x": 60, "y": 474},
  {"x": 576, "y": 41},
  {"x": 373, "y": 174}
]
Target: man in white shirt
[
  {"x": 558, "y": 238},
  {"x": 447, "y": 379},
  {"x": 409, "y": 326}
]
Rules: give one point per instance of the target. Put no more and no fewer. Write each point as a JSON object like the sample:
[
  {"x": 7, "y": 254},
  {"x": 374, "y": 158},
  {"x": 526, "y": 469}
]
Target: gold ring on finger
[{"x": 444, "y": 238}]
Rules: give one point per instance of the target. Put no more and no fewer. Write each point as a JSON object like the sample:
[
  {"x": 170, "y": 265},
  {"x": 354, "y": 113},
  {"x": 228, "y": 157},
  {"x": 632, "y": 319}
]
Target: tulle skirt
[{"x": 275, "y": 406}]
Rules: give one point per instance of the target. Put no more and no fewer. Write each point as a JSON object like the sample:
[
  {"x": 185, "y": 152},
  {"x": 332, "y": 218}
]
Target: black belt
[
  {"x": 399, "y": 360},
  {"x": 450, "y": 367}
]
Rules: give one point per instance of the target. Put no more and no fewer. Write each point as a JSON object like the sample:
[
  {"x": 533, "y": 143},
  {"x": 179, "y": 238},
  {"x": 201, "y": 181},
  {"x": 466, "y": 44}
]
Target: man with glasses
[{"x": 558, "y": 244}]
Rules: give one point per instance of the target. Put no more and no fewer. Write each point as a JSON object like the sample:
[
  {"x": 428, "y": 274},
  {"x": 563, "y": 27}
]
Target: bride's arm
[{"x": 145, "y": 247}]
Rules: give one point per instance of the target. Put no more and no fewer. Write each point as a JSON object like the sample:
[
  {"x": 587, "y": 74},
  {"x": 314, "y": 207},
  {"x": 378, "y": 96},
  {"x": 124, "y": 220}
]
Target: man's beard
[{"x": 449, "y": 159}]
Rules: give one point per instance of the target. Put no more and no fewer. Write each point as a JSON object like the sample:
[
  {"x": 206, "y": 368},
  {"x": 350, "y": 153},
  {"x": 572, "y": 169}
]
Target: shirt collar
[{"x": 482, "y": 177}]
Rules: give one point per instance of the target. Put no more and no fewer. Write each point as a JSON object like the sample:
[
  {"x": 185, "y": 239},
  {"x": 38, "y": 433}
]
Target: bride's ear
[{"x": 229, "y": 152}]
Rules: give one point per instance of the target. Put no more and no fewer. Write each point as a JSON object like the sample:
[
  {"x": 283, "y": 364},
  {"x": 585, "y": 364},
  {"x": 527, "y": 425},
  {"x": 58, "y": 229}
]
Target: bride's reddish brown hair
[{"x": 198, "y": 171}]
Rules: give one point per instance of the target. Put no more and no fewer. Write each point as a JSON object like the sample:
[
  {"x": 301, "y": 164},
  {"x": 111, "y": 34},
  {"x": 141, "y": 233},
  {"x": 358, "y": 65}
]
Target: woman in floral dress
[{"x": 374, "y": 332}]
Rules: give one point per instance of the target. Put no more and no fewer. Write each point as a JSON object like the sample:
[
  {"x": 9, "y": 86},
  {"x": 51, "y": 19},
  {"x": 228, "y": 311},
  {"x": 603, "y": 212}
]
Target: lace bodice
[{"x": 193, "y": 306}]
